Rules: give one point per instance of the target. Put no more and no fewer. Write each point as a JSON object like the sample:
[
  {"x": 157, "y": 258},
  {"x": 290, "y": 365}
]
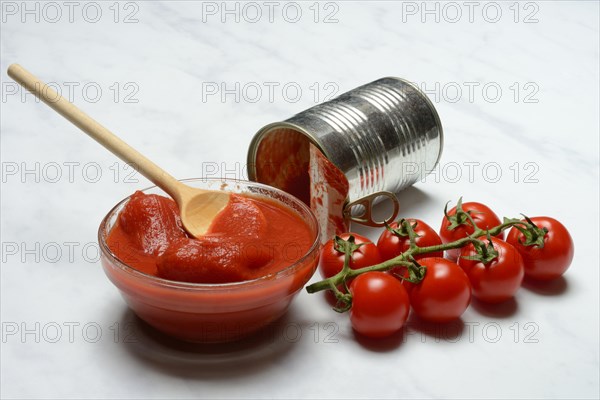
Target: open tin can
[{"x": 380, "y": 137}]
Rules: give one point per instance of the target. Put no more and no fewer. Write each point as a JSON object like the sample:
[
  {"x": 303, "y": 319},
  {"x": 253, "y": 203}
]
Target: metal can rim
[{"x": 255, "y": 142}]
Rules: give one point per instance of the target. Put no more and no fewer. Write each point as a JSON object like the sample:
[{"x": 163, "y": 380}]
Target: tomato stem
[{"x": 406, "y": 259}]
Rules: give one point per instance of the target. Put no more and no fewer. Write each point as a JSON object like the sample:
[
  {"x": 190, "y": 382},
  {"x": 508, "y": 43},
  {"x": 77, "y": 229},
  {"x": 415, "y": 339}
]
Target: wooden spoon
[{"x": 198, "y": 207}]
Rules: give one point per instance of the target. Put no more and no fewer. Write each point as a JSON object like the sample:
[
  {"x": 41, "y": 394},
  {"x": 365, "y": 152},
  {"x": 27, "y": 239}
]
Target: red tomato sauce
[
  {"x": 282, "y": 160},
  {"x": 252, "y": 237},
  {"x": 329, "y": 190}
]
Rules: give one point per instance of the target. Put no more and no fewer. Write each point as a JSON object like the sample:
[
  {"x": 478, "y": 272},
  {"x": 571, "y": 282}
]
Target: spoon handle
[{"x": 98, "y": 132}]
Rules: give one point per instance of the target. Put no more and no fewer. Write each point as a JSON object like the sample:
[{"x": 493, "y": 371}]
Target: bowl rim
[{"x": 105, "y": 251}]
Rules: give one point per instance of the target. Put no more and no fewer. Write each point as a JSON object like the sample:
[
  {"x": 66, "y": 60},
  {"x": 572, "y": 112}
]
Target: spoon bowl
[{"x": 200, "y": 208}]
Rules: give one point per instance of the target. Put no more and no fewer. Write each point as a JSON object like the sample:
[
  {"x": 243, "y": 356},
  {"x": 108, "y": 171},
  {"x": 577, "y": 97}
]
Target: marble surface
[{"x": 189, "y": 83}]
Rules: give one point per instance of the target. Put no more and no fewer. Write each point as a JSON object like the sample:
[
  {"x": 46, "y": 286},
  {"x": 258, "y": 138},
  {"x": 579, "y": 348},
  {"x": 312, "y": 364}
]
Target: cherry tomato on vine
[
  {"x": 443, "y": 294},
  {"x": 483, "y": 216},
  {"x": 392, "y": 244},
  {"x": 380, "y": 304},
  {"x": 551, "y": 260},
  {"x": 332, "y": 260},
  {"x": 499, "y": 279}
]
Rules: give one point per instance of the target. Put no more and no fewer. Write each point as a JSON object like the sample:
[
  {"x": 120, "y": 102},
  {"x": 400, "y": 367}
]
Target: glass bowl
[{"x": 210, "y": 313}]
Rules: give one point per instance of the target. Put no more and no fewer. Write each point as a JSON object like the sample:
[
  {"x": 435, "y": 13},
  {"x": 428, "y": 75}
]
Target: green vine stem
[{"x": 406, "y": 259}]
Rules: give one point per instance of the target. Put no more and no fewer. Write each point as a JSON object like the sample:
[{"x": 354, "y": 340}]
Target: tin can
[{"x": 383, "y": 136}]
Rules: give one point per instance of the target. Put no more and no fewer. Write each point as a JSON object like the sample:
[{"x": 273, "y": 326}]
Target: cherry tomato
[
  {"x": 483, "y": 216},
  {"x": 391, "y": 245},
  {"x": 552, "y": 260},
  {"x": 332, "y": 260},
  {"x": 380, "y": 304},
  {"x": 497, "y": 280},
  {"x": 443, "y": 294}
]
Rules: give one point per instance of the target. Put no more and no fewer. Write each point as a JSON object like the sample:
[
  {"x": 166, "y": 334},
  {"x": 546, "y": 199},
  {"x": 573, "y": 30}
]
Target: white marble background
[{"x": 533, "y": 74}]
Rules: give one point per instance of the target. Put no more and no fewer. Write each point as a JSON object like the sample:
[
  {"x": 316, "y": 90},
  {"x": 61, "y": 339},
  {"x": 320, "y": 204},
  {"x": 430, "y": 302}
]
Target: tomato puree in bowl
[
  {"x": 240, "y": 277},
  {"x": 252, "y": 237}
]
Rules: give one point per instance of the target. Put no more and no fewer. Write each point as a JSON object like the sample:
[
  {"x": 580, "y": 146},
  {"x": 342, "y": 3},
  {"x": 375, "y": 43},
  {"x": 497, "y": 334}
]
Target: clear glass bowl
[{"x": 212, "y": 312}]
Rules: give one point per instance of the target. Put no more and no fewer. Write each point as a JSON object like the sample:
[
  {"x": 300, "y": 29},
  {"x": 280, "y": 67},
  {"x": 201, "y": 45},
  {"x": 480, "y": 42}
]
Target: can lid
[{"x": 365, "y": 215}]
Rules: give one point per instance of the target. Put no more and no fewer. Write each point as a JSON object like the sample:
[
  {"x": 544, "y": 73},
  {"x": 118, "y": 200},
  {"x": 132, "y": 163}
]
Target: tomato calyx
[
  {"x": 533, "y": 235},
  {"x": 460, "y": 217},
  {"x": 404, "y": 229},
  {"x": 346, "y": 246},
  {"x": 416, "y": 273},
  {"x": 344, "y": 300},
  {"x": 486, "y": 253}
]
